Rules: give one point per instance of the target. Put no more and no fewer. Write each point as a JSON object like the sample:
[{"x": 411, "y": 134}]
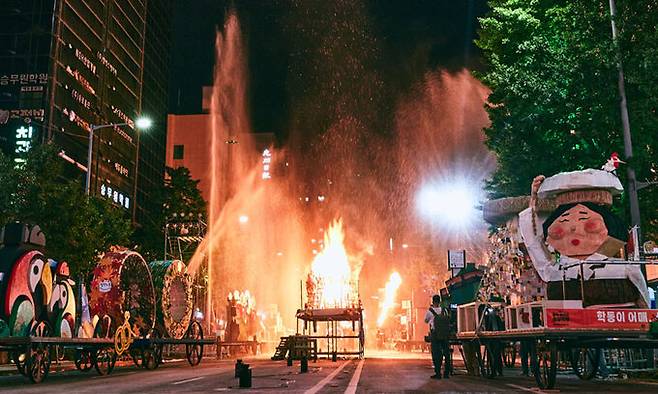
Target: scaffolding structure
[
  {"x": 183, "y": 234},
  {"x": 344, "y": 332}
]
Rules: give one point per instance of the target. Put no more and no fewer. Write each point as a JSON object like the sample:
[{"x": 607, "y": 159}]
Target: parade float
[
  {"x": 122, "y": 283},
  {"x": 561, "y": 278},
  {"x": 173, "y": 297},
  {"x": 133, "y": 308}
]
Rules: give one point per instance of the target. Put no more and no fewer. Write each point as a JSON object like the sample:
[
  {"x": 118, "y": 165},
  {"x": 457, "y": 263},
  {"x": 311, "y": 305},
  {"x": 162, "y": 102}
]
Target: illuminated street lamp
[
  {"x": 452, "y": 204},
  {"x": 141, "y": 123}
]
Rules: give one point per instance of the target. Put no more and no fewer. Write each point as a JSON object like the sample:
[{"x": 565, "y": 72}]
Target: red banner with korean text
[{"x": 620, "y": 319}]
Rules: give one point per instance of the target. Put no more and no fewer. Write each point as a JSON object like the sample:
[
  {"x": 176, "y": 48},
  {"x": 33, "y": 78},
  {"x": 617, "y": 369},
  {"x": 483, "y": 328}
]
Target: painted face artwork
[{"x": 578, "y": 232}]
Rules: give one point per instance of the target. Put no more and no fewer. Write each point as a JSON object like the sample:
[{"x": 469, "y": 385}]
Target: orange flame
[
  {"x": 331, "y": 272},
  {"x": 390, "y": 291}
]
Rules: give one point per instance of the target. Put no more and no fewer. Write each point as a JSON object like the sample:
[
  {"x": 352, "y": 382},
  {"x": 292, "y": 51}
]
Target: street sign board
[{"x": 456, "y": 259}]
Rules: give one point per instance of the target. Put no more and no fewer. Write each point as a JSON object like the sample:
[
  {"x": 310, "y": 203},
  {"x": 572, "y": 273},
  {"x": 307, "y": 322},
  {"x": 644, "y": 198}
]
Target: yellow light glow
[
  {"x": 390, "y": 291},
  {"x": 331, "y": 270}
]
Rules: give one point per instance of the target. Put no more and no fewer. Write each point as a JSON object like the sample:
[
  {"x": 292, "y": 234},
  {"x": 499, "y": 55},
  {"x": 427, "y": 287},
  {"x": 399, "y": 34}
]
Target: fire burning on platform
[
  {"x": 332, "y": 282},
  {"x": 390, "y": 291}
]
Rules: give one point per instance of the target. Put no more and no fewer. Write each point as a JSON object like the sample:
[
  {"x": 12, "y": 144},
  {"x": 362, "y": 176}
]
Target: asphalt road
[{"x": 372, "y": 375}]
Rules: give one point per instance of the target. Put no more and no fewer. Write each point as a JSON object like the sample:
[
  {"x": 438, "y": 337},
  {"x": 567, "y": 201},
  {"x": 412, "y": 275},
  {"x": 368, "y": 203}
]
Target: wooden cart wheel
[
  {"x": 104, "y": 360},
  {"x": 37, "y": 364},
  {"x": 83, "y": 360},
  {"x": 156, "y": 347},
  {"x": 543, "y": 355},
  {"x": 148, "y": 357},
  {"x": 137, "y": 355},
  {"x": 585, "y": 362},
  {"x": 509, "y": 355},
  {"x": 143, "y": 357},
  {"x": 194, "y": 351}
]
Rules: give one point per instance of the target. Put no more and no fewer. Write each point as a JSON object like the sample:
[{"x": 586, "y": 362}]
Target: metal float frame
[
  {"x": 547, "y": 343},
  {"x": 332, "y": 316}
]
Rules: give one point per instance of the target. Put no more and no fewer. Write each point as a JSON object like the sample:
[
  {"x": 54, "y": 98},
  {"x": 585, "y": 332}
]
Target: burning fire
[
  {"x": 391, "y": 289},
  {"x": 329, "y": 284},
  {"x": 243, "y": 299}
]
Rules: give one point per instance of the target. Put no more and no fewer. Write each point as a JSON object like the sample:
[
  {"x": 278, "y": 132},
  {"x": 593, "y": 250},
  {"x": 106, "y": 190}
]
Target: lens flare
[{"x": 451, "y": 204}]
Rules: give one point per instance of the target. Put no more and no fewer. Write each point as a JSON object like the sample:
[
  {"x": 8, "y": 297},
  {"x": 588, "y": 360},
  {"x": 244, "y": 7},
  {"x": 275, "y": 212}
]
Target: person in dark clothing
[
  {"x": 525, "y": 350},
  {"x": 439, "y": 324}
]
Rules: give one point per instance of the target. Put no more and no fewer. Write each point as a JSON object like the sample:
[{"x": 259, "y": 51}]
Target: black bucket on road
[{"x": 245, "y": 376}]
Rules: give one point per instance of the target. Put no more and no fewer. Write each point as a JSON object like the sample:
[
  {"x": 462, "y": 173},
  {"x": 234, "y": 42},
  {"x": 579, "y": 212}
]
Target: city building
[
  {"x": 67, "y": 65},
  {"x": 189, "y": 139}
]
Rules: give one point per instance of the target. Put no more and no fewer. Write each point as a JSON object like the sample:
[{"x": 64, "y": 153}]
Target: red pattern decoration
[
  {"x": 615, "y": 319},
  {"x": 122, "y": 282}
]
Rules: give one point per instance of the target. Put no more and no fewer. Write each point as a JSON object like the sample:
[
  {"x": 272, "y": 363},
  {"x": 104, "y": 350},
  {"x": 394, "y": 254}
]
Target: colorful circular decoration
[
  {"x": 122, "y": 282},
  {"x": 173, "y": 296}
]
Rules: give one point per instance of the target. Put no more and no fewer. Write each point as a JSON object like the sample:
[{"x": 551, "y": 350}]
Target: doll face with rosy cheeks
[{"x": 579, "y": 232}]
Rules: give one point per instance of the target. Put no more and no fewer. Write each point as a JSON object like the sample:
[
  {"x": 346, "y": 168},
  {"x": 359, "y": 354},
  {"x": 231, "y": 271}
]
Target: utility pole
[{"x": 628, "y": 146}]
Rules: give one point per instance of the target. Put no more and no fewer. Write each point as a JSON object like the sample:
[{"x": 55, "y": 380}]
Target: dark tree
[
  {"x": 78, "y": 228},
  {"x": 554, "y": 104},
  {"x": 179, "y": 194}
]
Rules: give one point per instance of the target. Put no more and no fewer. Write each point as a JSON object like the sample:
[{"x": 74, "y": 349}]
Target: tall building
[
  {"x": 188, "y": 145},
  {"x": 155, "y": 101},
  {"x": 66, "y": 65}
]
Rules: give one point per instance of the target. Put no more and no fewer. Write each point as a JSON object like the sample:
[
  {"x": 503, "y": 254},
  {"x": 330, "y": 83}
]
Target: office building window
[{"x": 179, "y": 151}]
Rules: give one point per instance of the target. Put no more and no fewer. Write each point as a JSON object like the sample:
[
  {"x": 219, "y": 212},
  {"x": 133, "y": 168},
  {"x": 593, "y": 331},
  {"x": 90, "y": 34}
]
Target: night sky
[{"x": 312, "y": 62}]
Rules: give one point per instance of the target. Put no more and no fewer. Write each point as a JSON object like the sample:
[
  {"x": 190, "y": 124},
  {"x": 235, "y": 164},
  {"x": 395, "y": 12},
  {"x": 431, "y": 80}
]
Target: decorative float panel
[
  {"x": 27, "y": 290},
  {"x": 122, "y": 283},
  {"x": 173, "y": 295}
]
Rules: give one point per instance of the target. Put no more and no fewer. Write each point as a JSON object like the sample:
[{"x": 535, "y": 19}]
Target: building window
[{"x": 179, "y": 151}]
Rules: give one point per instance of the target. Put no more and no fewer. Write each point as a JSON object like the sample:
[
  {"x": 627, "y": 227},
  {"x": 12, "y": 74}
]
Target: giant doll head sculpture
[
  {"x": 583, "y": 224},
  {"x": 579, "y": 237},
  {"x": 579, "y": 230}
]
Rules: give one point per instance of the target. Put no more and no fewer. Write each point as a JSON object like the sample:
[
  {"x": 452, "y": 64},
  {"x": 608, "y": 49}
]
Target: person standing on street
[
  {"x": 524, "y": 349},
  {"x": 439, "y": 324}
]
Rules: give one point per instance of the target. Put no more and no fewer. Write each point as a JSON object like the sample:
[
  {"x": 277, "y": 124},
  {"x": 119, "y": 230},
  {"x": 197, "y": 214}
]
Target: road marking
[
  {"x": 188, "y": 380},
  {"x": 530, "y": 389},
  {"x": 326, "y": 380},
  {"x": 351, "y": 388}
]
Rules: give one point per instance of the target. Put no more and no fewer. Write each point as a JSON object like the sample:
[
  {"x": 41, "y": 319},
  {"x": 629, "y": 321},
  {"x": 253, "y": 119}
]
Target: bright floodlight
[
  {"x": 143, "y": 123},
  {"x": 451, "y": 204},
  {"x": 243, "y": 219}
]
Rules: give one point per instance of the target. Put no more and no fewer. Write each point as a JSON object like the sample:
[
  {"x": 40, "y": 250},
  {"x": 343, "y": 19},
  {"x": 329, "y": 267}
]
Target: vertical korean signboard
[{"x": 22, "y": 111}]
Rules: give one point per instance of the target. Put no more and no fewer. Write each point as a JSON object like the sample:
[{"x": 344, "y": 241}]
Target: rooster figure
[{"x": 613, "y": 163}]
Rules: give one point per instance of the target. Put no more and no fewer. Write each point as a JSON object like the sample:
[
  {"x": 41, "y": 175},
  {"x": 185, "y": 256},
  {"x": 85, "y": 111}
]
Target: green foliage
[
  {"x": 554, "y": 105},
  {"x": 179, "y": 194},
  {"x": 77, "y": 227}
]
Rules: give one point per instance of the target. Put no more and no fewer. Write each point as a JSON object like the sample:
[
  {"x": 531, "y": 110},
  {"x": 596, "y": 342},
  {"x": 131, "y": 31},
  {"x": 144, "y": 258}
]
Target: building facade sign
[
  {"x": 23, "y": 142},
  {"x": 24, "y": 79},
  {"x": 267, "y": 162},
  {"x": 115, "y": 195}
]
